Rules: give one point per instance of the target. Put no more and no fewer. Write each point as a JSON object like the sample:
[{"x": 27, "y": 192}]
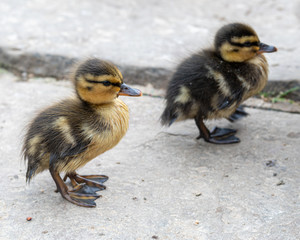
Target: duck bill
[
  {"x": 129, "y": 91},
  {"x": 265, "y": 48}
]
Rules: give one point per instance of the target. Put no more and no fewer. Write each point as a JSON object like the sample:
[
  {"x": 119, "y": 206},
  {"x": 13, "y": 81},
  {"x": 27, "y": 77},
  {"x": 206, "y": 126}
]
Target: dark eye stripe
[
  {"x": 246, "y": 44},
  {"x": 105, "y": 83}
]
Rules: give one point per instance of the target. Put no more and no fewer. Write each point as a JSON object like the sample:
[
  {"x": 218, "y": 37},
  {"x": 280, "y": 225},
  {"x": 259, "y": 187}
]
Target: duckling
[
  {"x": 212, "y": 83},
  {"x": 67, "y": 135}
]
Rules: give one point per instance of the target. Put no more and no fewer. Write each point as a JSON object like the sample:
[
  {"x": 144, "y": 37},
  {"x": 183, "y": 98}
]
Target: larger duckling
[
  {"x": 67, "y": 135},
  {"x": 213, "y": 83}
]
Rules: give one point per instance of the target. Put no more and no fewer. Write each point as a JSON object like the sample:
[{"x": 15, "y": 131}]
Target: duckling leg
[
  {"x": 80, "y": 195},
  {"x": 218, "y": 135},
  {"x": 92, "y": 182},
  {"x": 239, "y": 113}
]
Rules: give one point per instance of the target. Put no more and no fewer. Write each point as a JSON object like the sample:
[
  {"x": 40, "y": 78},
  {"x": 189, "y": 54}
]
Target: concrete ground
[{"x": 164, "y": 184}]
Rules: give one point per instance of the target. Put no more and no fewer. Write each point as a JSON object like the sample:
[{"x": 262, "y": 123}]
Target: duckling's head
[
  {"x": 97, "y": 82},
  {"x": 238, "y": 42}
]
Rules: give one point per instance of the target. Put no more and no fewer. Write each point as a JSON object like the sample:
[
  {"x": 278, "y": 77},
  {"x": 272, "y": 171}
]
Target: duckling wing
[
  {"x": 67, "y": 151},
  {"x": 227, "y": 101},
  {"x": 73, "y": 150}
]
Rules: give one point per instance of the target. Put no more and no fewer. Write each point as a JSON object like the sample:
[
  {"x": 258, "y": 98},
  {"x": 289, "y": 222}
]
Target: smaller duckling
[
  {"x": 213, "y": 83},
  {"x": 67, "y": 135}
]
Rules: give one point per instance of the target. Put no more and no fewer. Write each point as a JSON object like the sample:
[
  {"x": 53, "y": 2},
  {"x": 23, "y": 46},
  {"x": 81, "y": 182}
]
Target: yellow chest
[
  {"x": 258, "y": 85},
  {"x": 116, "y": 118}
]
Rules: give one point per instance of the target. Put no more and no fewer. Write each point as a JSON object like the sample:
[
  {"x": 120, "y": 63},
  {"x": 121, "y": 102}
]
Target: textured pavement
[{"x": 164, "y": 184}]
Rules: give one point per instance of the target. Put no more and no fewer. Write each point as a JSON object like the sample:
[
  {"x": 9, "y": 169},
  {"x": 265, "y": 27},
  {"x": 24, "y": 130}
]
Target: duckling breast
[
  {"x": 115, "y": 117},
  {"x": 257, "y": 79}
]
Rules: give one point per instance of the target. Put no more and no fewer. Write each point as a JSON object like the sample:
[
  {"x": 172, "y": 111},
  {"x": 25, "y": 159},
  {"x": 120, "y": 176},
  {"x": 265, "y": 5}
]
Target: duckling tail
[
  {"x": 32, "y": 165},
  {"x": 168, "y": 117},
  {"x": 31, "y": 169}
]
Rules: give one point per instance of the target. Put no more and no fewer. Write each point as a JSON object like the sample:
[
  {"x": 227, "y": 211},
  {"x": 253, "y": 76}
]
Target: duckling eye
[
  {"x": 247, "y": 44},
  {"x": 106, "y": 83}
]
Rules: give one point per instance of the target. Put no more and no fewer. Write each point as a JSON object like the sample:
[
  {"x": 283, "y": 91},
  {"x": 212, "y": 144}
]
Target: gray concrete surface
[
  {"x": 164, "y": 184},
  {"x": 146, "y": 38}
]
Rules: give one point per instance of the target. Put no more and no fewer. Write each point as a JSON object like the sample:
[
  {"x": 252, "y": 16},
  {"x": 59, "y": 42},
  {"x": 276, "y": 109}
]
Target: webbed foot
[
  {"x": 218, "y": 135},
  {"x": 93, "y": 182},
  {"x": 81, "y": 194},
  {"x": 238, "y": 114}
]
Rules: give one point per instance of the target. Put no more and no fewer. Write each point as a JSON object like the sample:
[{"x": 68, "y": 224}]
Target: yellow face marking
[
  {"x": 244, "y": 39},
  {"x": 63, "y": 126},
  {"x": 184, "y": 95},
  {"x": 82, "y": 82},
  {"x": 97, "y": 93},
  {"x": 101, "y": 78},
  {"x": 228, "y": 54},
  {"x": 89, "y": 77},
  {"x": 255, "y": 48}
]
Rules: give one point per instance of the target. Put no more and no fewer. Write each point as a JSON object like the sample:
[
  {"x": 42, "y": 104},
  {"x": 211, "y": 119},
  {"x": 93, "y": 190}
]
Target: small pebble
[
  {"x": 280, "y": 183},
  {"x": 271, "y": 163},
  {"x": 29, "y": 218}
]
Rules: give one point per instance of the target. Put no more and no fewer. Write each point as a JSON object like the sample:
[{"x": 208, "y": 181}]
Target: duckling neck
[
  {"x": 105, "y": 105},
  {"x": 262, "y": 68},
  {"x": 114, "y": 113}
]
